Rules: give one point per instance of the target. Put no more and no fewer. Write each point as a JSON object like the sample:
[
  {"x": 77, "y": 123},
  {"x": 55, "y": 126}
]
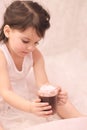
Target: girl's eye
[
  {"x": 36, "y": 43},
  {"x": 25, "y": 41}
]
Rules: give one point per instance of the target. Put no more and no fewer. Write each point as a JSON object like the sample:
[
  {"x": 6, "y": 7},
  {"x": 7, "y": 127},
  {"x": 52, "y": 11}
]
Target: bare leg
[{"x": 68, "y": 111}]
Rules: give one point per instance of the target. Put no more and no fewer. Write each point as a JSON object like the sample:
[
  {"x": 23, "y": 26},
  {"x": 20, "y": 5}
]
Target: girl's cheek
[{"x": 32, "y": 48}]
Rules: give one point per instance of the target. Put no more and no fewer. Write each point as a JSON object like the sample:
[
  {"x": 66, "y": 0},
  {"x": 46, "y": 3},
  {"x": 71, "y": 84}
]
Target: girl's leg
[{"x": 68, "y": 111}]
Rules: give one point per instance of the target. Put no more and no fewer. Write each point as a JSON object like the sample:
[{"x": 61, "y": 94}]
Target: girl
[{"x": 25, "y": 23}]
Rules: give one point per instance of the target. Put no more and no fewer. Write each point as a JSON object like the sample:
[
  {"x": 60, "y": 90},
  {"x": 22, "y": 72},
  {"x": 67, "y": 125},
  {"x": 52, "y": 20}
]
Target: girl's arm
[
  {"x": 6, "y": 90},
  {"x": 39, "y": 68},
  {"x": 41, "y": 77}
]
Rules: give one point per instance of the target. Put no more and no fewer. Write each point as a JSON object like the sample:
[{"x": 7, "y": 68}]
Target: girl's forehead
[{"x": 30, "y": 33}]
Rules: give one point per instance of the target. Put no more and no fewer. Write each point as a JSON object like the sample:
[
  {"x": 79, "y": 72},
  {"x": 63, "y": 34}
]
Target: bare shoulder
[
  {"x": 37, "y": 56},
  {"x": 37, "y": 53},
  {"x": 2, "y": 59}
]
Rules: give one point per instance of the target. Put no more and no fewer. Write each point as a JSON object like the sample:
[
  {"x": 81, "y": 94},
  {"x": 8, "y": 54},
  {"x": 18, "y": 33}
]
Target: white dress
[{"x": 22, "y": 84}]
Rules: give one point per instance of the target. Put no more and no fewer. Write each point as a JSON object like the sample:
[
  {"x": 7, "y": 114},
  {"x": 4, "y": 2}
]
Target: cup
[{"x": 48, "y": 93}]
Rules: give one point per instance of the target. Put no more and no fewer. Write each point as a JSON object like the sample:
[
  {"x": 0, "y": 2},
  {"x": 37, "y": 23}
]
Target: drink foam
[{"x": 47, "y": 90}]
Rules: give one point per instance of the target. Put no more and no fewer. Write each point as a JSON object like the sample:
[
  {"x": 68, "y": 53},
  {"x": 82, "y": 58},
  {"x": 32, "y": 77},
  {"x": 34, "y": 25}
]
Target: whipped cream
[{"x": 47, "y": 90}]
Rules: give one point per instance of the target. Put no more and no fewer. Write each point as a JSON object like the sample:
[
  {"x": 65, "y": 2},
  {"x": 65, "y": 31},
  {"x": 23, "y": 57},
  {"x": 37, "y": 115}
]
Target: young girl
[{"x": 25, "y": 23}]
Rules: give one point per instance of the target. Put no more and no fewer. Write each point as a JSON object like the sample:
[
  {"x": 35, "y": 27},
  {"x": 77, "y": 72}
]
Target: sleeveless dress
[{"x": 22, "y": 84}]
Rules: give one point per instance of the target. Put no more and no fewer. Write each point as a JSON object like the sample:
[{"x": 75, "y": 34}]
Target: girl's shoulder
[
  {"x": 2, "y": 57},
  {"x": 37, "y": 56},
  {"x": 36, "y": 53}
]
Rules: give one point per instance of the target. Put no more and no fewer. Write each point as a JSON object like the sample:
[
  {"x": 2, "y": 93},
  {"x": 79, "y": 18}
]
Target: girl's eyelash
[
  {"x": 25, "y": 41},
  {"x": 37, "y": 43}
]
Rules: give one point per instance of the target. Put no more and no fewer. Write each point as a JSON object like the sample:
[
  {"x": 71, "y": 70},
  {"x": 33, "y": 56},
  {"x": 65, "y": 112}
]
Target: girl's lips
[{"x": 25, "y": 52}]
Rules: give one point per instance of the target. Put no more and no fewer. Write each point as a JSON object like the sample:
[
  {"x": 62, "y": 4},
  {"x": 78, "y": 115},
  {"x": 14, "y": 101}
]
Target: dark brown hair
[{"x": 23, "y": 14}]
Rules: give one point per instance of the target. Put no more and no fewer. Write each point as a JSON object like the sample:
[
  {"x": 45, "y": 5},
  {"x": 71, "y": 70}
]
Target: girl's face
[{"x": 21, "y": 43}]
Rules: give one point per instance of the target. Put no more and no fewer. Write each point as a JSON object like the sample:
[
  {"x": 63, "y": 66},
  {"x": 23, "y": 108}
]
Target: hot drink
[
  {"x": 48, "y": 93},
  {"x": 52, "y": 101}
]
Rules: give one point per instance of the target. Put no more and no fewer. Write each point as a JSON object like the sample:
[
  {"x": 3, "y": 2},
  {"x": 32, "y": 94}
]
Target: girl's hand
[
  {"x": 62, "y": 96},
  {"x": 40, "y": 109}
]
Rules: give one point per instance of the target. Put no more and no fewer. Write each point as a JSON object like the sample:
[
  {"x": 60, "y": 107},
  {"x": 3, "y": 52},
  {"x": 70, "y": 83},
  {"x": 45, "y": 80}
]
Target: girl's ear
[{"x": 7, "y": 30}]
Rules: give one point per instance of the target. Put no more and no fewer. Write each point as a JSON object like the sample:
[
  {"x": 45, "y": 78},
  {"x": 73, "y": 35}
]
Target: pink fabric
[{"x": 65, "y": 124}]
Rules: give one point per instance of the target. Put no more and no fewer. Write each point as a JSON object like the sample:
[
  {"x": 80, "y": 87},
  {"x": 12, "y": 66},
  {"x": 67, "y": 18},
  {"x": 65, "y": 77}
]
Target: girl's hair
[{"x": 23, "y": 14}]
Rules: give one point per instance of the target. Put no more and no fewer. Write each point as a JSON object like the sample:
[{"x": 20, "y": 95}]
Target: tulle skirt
[{"x": 13, "y": 119}]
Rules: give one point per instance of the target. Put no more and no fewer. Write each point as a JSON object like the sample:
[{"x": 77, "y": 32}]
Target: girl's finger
[{"x": 37, "y": 100}]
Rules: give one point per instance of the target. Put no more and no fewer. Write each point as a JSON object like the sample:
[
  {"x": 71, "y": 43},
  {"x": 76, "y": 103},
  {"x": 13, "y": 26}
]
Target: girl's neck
[{"x": 18, "y": 61}]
